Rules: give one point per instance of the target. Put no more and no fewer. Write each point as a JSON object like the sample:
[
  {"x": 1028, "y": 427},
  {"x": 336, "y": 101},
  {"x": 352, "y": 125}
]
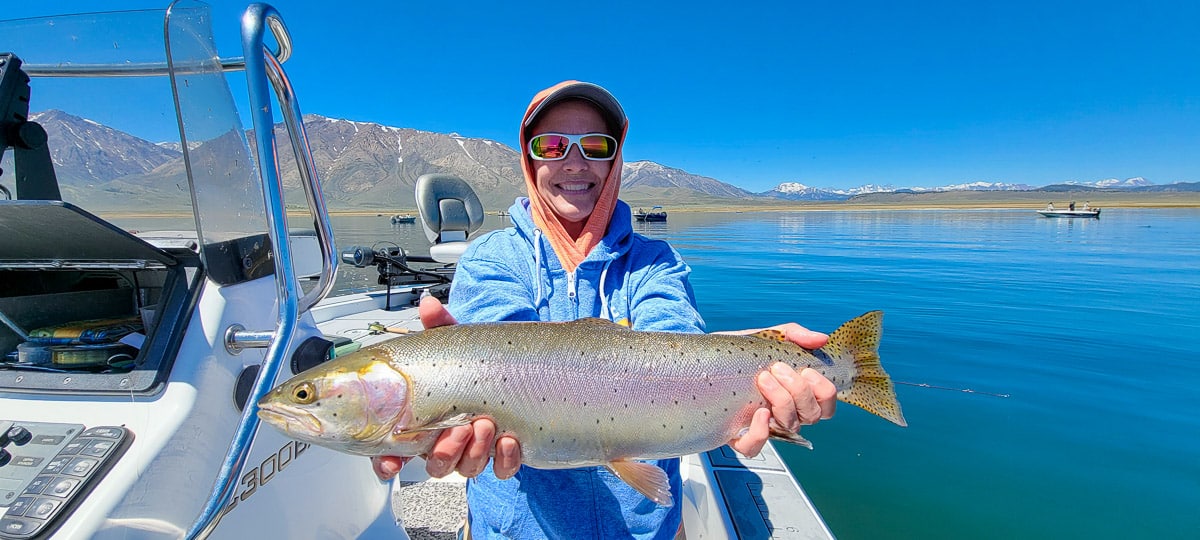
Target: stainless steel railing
[{"x": 264, "y": 70}]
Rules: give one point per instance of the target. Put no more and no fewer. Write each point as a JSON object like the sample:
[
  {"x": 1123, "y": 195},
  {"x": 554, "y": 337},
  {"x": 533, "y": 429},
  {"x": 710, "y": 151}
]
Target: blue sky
[{"x": 829, "y": 94}]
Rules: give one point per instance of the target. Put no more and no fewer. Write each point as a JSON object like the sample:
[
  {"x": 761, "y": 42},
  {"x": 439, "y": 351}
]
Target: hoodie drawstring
[
  {"x": 605, "y": 310},
  {"x": 537, "y": 268},
  {"x": 605, "y": 307}
]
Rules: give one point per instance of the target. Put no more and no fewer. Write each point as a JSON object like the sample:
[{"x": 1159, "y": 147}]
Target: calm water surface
[{"x": 1090, "y": 327}]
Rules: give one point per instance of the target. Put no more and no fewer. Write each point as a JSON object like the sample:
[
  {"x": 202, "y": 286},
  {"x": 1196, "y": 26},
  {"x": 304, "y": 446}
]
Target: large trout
[{"x": 575, "y": 394}]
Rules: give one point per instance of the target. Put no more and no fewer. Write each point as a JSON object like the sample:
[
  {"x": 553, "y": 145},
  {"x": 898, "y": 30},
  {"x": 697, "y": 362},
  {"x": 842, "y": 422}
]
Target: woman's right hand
[{"x": 465, "y": 449}]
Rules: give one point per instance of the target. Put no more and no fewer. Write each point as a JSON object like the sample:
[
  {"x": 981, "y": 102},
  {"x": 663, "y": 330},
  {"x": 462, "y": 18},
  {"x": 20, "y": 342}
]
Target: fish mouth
[{"x": 290, "y": 419}]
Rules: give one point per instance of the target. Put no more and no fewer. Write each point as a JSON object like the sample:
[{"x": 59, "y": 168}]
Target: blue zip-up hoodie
[{"x": 514, "y": 275}]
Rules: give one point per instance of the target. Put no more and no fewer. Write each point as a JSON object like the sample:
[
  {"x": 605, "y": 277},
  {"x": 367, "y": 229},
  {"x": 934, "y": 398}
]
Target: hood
[
  {"x": 572, "y": 251},
  {"x": 615, "y": 241}
]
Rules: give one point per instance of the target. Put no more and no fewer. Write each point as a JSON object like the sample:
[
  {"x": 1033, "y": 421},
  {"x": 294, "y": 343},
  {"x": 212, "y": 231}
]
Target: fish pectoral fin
[
  {"x": 647, "y": 478},
  {"x": 778, "y": 433},
  {"x": 453, "y": 421}
]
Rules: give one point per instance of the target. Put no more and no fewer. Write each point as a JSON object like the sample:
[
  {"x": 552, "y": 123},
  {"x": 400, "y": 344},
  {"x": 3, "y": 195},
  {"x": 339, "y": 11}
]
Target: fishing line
[{"x": 963, "y": 390}]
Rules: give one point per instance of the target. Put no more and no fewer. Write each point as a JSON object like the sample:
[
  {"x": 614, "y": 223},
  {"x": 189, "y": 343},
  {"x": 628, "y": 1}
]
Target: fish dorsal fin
[
  {"x": 596, "y": 322},
  {"x": 647, "y": 478},
  {"x": 771, "y": 334}
]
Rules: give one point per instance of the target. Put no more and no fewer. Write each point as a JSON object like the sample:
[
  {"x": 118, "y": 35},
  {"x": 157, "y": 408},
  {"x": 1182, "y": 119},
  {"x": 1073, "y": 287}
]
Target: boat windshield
[{"x": 142, "y": 127}]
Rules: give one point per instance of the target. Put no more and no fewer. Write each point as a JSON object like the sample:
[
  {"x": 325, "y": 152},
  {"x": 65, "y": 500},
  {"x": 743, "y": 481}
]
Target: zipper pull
[{"x": 571, "y": 285}]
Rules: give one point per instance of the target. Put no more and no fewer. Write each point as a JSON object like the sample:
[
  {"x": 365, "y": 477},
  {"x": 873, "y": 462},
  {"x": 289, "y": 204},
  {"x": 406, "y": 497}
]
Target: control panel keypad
[{"x": 57, "y": 464}]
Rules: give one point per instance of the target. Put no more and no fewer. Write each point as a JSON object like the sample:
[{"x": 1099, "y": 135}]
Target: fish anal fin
[
  {"x": 647, "y": 478},
  {"x": 771, "y": 335},
  {"x": 784, "y": 435}
]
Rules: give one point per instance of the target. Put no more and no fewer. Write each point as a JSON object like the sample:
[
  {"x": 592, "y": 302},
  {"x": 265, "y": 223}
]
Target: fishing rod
[{"x": 964, "y": 390}]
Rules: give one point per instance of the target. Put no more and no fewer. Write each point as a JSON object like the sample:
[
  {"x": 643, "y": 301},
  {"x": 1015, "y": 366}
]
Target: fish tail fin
[{"x": 871, "y": 387}]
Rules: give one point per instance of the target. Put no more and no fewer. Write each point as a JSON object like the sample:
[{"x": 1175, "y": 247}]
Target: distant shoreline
[{"x": 874, "y": 202}]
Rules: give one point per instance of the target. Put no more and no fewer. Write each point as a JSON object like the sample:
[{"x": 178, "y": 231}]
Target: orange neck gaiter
[{"x": 571, "y": 251}]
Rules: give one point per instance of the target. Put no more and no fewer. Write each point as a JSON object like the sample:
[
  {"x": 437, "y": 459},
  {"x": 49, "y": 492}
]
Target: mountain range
[{"x": 369, "y": 166}]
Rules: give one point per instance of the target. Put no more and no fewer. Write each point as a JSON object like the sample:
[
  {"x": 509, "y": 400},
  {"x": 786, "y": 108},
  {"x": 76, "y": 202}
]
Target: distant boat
[
  {"x": 1071, "y": 213},
  {"x": 404, "y": 218},
  {"x": 655, "y": 214}
]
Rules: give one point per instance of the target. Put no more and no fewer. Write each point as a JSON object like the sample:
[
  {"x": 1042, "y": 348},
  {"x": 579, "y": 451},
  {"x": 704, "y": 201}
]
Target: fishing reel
[{"x": 394, "y": 270}]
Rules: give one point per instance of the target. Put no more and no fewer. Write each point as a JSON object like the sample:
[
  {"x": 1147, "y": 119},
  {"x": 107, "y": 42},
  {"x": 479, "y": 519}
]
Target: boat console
[{"x": 46, "y": 469}]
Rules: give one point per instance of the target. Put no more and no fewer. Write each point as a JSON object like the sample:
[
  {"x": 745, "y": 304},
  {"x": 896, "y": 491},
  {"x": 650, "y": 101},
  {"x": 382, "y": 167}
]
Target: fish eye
[{"x": 304, "y": 393}]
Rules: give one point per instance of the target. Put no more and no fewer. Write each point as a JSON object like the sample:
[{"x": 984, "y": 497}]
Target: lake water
[{"x": 1091, "y": 328}]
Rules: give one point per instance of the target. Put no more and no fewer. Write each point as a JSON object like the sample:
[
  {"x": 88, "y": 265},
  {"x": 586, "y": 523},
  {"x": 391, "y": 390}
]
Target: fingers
[
  {"x": 792, "y": 332},
  {"x": 823, "y": 391},
  {"x": 783, "y": 405},
  {"x": 797, "y": 399},
  {"x": 508, "y": 458},
  {"x": 467, "y": 449},
  {"x": 433, "y": 313},
  {"x": 448, "y": 450},
  {"x": 386, "y": 467},
  {"x": 752, "y": 441},
  {"x": 802, "y": 336}
]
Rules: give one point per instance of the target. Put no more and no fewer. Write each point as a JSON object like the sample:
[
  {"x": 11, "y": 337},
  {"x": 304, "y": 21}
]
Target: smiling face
[{"x": 572, "y": 185}]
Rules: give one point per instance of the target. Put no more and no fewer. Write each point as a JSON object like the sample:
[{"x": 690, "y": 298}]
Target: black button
[
  {"x": 56, "y": 465},
  {"x": 49, "y": 440},
  {"x": 73, "y": 447},
  {"x": 38, "y": 484},
  {"x": 17, "y": 527},
  {"x": 5, "y": 457},
  {"x": 98, "y": 448},
  {"x": 19, "y": 506},
  {"x": 81, "y": 466},
  {"x": 62, "y": 487},
  {"x": 43, "y": 508},
  {"x": 18, "y": 435},
  {"x": 105, "y": 432},
  {"x": 28, "y": 461}
]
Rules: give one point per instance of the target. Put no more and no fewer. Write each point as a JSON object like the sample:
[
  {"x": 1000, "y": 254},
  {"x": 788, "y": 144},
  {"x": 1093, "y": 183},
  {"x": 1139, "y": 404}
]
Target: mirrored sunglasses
[{"x": 554, "y": 146}]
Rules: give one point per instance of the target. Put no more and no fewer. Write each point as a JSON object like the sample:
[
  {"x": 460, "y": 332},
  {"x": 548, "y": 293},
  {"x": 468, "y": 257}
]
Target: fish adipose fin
[
  {"x": 647, "y": 478},
  {"x": 857, "y": 342},
  {"x": 770, "y": 334}
]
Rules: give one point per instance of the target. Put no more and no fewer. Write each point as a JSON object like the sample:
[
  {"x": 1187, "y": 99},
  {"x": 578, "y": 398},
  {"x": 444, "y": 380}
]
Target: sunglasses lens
[
  {"x": 553, "y": 146},
  {"x": 549, "y": 146},
  {"x": 598, "y": 146}
]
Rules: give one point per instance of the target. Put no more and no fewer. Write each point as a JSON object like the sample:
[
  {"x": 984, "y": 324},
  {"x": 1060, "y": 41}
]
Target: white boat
[
  {"x": 155, "y": 436},
  {"x": 1091, "y": 213}
]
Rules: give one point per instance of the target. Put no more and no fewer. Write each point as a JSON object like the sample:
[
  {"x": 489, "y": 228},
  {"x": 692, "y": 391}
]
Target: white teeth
[{"x": 574, "y": 187}]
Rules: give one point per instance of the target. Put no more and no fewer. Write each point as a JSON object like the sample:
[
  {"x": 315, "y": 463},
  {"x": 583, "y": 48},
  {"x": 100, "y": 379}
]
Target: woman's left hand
[{"x": 796, "y": 399}]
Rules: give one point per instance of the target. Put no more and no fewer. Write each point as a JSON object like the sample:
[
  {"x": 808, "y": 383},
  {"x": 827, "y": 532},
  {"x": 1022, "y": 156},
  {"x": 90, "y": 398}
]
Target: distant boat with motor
[
  {"x": 655, "y": 214},
  {"x": 404, "y": 218},
  {"x": 1070, "y": 212}
]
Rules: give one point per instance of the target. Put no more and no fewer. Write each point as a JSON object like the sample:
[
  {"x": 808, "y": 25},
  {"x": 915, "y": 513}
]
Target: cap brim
[{"x": 582, "y": 90}]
